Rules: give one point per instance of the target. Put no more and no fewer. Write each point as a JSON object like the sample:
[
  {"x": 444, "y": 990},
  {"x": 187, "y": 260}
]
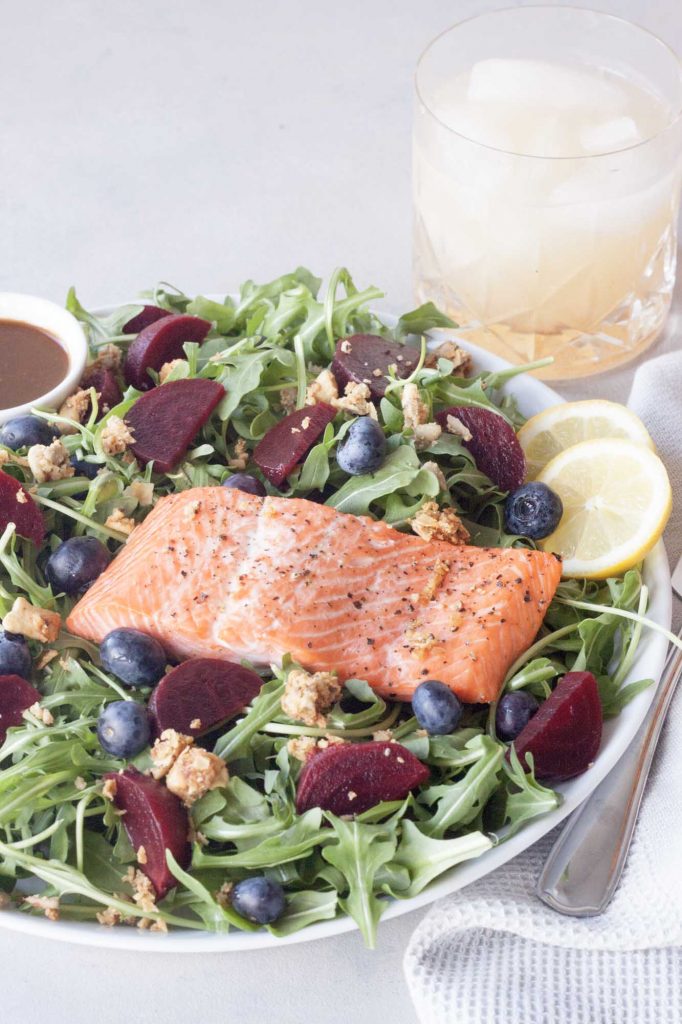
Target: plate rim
[{"x": 657, "y": 570}]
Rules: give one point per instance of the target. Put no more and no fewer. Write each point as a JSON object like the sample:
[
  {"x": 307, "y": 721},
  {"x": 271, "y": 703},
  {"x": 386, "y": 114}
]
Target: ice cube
[
  {"x": 607, "y": 136},
  {"x": 537, "y": 83}
]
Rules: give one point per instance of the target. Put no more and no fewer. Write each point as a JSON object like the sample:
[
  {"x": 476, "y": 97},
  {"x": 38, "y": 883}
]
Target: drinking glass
[{"x": 547, "y": 184}]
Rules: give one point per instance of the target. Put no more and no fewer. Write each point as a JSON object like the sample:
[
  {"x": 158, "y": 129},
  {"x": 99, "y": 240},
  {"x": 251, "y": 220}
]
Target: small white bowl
[{"x": 63, "y": 326}]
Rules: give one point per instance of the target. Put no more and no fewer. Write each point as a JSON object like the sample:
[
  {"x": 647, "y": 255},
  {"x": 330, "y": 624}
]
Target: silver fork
[{"x": 585, "y": 864}]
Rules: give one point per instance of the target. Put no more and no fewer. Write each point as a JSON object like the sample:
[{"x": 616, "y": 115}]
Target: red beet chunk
[
  {"x": 494, "y": 445},
  {"x": 564, "y": 735},
  {"x": 287, "y": 443},
  {"x": 166, "y": 420},
  {"x": 16, "y": 695},
  {"x": 206, "y": 690},
  {"x": 160, "y": 342},
  {"x": 105, "y": 384},
  {"x": 154, "y": 818},
  {"x": 148, "y": 315},
  {"x": 351, "y": 777},
  {"x": 18, "y": 507},
  {"x": 357, "y": 358}
]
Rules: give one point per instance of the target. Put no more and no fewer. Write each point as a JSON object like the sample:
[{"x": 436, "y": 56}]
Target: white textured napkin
[{"x": 494, "y": 952}]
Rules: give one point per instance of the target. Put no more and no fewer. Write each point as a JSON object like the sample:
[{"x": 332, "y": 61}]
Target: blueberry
[
  {"x": 123, "y": 728},
  {"x": 135, "y": 658},
  {"x": 83, "y": 468},
  {"x": 76, "y": 564},
  {"x": 23, "y": 431},
  {"x": 259, "y": 899},
  {"x": 15, "y": 657},
  {"x": 364, "y": 449},
  {"x": 436, "y": 707},
  {"x": 514, "y": 712},
  {"x": 246, "y": 482},
  {"x": 534, "y": 511}
]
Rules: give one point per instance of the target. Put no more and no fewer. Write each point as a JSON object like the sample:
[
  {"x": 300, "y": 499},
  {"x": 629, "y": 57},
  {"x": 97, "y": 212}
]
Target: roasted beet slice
[
  {"x": 348, "y": 778},
  {"x": 289, "y": 441},
  {"x": 105, "y": 384},
  {"x": 154, "y": 818},
  {"x": 160, "y": 342},
  {"x": 359, "y": 357},
  {"x": 18, "y": 507},
  {"x": 165, "y": 421},
  {"x": 564, "y": 735},
  {"x": 494, "y": 445},
  {"x": 200, "y": 694},
  {"x": 16, "y": 695},
  {"x": 148, "y": 315}
]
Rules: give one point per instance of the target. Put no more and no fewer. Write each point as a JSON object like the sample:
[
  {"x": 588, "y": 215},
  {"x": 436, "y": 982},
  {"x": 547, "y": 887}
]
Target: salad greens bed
[{"x": 58, "y": 834}]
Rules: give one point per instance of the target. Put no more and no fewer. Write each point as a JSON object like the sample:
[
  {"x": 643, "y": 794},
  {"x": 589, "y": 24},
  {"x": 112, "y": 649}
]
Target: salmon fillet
[{"x": 215, "y": 571}]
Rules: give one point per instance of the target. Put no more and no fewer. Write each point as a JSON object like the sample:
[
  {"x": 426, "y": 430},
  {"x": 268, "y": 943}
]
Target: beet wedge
[
  {"x": 147, "y": 315},
  {"x": 494, "y": 445},
  {"x": 287, "y": 443},
  {"x": 349, "y": 778},
  {"x": 18, "y": 507},
  {"x": 160, "y": 342},
  {"x": 105, "y": 384},
  {"x": 565, "y": 734},
  {"x": 155, "y": 819},
  {"x": 16, "y": 695},
  {"x": 366, "y": 358},
  {"x": 166, "y": 420},
  {"x": 200, "y": 694}
]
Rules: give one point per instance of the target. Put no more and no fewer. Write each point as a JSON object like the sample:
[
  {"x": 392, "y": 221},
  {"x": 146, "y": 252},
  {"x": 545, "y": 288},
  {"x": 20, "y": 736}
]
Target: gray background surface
[{"x": 203, "y": 143}]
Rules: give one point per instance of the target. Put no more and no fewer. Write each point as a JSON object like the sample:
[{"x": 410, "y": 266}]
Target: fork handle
[{"x": 585, "y": 864}]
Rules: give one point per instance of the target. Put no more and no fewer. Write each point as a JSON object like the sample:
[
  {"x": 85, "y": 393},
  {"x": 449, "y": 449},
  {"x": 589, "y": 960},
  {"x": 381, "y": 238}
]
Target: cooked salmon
[{"x": 215, "y": 571}]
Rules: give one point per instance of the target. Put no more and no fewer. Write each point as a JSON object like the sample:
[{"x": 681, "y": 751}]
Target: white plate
[{"x": 532, "y": 396}]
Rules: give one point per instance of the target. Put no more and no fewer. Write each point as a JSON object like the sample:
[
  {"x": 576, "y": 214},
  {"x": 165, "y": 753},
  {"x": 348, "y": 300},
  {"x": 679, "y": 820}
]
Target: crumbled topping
[
  {"x": 460, "y": 358},
  {"x": 426, "y": 434},
  {"x": 415, "y": 411},
  {"x": 323, "y": 389},
  {"x": 167, "y": 369},
  {"x": 194, "y": 773},
  {"x": 419, "y": 641},
  {"x": 355, "y": 400},
  {"x": 434, "y": 468},
  {"x": 456, "y": 427},
  {"x": 76, "y": 408},
  {"x": 345, "y": 346},
  {"x": 22, "y": 496},
  {"x": 240, "y": 459},
  {"x": 352, "y": 795},
  {"x": 42, "y": 714},
  {"x": 432, "y": 523},
  {"x": 5, "y": 900},
  {"x": 109, "y": 789},
  {"x": 195, "y": 723},
  {"x": 118, "y": 520},
  {"x": 303, "y": 747},
  {"x": 223, "y": 895},
  {"x": 48, "y": 904},
  {"x": 287, "y": 398},
  {"x": 144, "y": 893},
  {"x": 108, "y": 357},
  {"x": 383, "y": 736},
  {"x": 7, "y": 457},
  {"x": 142, "y": 491},
  {"x": 116, "y": 436},
  {"x": 49, "y": 462},
  {"x": 32, "y": 622},
  {"x": 80, "y": 783},
  {"x": 307, "y": 697},
  {"x": 438, "y": 574},
  {"x": 45, "y": 658},
  {"x": 141, "y": 855},
  {"x": 195, "y": 836},
  {"x": 167, "y": 749},
  {"x": 109, "y": 917}
]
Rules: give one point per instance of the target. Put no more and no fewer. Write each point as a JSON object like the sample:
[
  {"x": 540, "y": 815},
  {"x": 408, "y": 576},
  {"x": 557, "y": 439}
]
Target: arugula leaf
[
  {"x": 527, "y": 798},
  {"x": 425, "y": 318},
  {"x": 459, "y": 803},
  {"x": 425, "y": 858},
  {"x": 305, "y": 908},
  {"x": 399, "y": 470}
]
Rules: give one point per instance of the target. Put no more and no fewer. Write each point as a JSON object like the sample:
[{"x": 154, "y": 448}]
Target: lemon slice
[
  {"x": 617, "y": 500},
  {"x": 562, "y": 426}
]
